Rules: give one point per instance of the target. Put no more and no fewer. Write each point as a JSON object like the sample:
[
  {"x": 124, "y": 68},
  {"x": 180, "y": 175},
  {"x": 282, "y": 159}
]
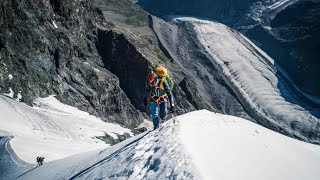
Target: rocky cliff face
[
  {"x": 93, "y": 59},
  {"x": 50, "y": 47}
]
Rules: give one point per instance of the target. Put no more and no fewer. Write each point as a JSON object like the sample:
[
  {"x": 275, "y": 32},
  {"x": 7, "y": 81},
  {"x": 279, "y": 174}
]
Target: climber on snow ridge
[{"x": 158, "y": 90}]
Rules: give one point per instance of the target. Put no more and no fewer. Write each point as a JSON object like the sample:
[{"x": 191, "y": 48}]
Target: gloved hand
[
  {"x": 172, "y": 109},
  {"x": 145, "y": 101}
]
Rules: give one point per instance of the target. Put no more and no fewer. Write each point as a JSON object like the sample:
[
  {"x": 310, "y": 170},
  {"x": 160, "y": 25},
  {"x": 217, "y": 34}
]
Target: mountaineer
[{"x": 158, "y": 91}]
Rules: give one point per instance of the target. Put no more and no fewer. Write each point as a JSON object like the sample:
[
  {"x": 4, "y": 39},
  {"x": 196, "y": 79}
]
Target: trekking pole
[{"x": 172, "y": 117}]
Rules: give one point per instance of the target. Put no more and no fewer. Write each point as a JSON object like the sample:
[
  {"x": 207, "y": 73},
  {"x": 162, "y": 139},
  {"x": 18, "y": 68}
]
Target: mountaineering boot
[{"x": 155, "y": 123}]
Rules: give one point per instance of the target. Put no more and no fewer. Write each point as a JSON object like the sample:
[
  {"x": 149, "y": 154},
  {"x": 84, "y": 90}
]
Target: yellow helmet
[{"x": 161, "y": 71}]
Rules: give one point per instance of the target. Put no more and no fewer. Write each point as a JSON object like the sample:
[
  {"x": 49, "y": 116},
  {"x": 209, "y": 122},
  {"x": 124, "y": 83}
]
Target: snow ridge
[
  {"x": 152, "y": 156},
  {"x": 196, "y": 145},
  {"x": 155, "y": 154}
]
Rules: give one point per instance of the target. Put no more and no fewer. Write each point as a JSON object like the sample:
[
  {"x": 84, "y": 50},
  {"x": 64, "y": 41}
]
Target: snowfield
[
  {"x": 197, "y": 145},
  {"x": 52, "y": 129}
]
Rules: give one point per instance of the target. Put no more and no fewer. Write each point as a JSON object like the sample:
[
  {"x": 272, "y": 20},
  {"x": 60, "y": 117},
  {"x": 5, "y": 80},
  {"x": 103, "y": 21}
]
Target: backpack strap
[{"x": 161, "y": 83}]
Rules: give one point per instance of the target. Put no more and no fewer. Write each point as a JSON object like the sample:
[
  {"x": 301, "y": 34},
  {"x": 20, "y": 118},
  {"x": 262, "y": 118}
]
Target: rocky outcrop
[
  {"x": 122, "y": 59},
  {"x": 49, "y": 47}
]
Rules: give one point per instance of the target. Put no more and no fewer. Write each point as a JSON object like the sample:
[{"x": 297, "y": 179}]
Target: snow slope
[
  {"x": 51, "y": 129},
  {"x": 251, "y": 74},
  {"x": 10, "y": 165},
  {"x": 197, "y": 145}
]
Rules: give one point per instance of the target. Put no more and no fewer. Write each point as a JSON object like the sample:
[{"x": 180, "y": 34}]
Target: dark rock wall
[
  {"x": 122, "y": 59},
  {"x": 45, "y": 60}
]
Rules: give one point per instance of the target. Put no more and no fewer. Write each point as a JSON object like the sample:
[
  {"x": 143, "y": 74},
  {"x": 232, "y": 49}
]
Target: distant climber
[
  {"x": 38, "y": 161},
  {"x": 158, "y": 91},
  {"x": 41, "y": 160}
]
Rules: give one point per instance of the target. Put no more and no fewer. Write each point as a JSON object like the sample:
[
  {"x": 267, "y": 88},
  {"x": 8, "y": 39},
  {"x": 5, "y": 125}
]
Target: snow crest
[{"x": 197, "y": 145}]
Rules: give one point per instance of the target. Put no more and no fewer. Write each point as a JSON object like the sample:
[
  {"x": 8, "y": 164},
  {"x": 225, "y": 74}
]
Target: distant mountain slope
[
  {"x": 197, "y": 145},
  {"x": 288, "y": 30},
  {"x": 292, "y": 38},
  {"x": 242, "y": 12},
  {"x": 223, "y": 10}
]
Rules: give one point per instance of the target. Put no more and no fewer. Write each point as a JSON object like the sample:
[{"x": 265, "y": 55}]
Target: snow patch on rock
[
  {"x": 10, "y": 94},
  {"x": 54, "y": 24},
  {"x": 19, "y": 96},
  {"x": 10, "y": 76}
]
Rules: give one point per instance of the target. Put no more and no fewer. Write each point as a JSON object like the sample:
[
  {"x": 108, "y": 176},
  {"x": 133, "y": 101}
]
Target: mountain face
[
  {"x": 231, "y": 12},
  {"x": 292, "y": 38},
  {"x": 287, "y": 30},
  {"x": 49, "y": 47}
]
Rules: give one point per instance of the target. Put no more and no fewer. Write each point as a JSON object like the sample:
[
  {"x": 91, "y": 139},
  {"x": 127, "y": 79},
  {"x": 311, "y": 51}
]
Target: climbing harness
[{"x": 159, "y": 99}]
